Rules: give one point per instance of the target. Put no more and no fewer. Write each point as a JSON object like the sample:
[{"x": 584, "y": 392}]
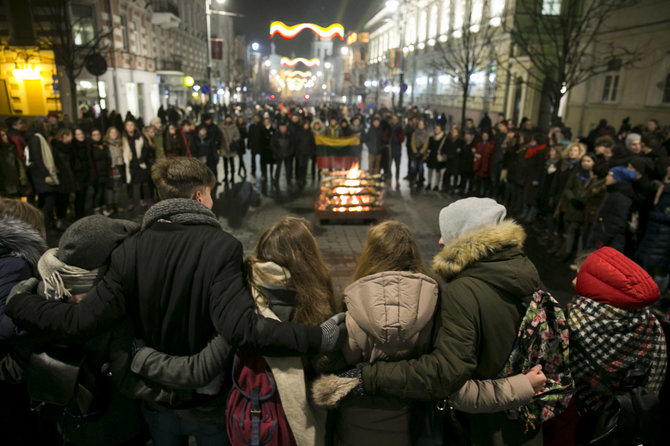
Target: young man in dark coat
[
  {"x": 255, "y": 141},
  {"x": 283, "y": 149}
]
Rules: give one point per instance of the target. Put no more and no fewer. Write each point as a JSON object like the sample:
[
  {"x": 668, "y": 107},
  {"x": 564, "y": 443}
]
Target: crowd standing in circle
[{"x": 170, "y": 339}]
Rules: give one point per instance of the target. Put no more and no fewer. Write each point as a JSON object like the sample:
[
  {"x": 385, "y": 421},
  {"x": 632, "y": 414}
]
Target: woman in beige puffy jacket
[{"x": 390, "y": 308}]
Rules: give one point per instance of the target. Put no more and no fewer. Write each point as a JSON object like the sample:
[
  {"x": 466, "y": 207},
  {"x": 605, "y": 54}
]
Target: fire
[{"x": 350, "y": 191}]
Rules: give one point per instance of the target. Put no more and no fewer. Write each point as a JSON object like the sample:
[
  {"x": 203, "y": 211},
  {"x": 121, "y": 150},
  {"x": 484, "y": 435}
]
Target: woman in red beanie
[{"x": 615, "y": 341}]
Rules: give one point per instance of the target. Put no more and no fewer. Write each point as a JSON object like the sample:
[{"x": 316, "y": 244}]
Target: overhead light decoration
[
  {"x": 292, "y": 74},
  {"x": 289, "y": 32},
  {"x": 293, "y": 62},
  {"x": 189, "y": 81}
]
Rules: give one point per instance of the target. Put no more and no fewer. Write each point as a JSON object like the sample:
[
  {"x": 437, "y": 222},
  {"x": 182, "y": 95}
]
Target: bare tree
[
  {"x": 58, "y": 27},
  {"x": 469, "y": 49},
  {"x": 560, "y": 39}
]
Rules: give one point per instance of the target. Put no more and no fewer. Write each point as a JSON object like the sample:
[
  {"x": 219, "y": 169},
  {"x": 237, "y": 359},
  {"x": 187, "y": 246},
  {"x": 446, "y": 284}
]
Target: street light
[
  {"x": 328, "y": 65},
  {"x": 255, "y": 46},
  {"x": 344, "y": 50},
  {"x": 267, "y": 63}
]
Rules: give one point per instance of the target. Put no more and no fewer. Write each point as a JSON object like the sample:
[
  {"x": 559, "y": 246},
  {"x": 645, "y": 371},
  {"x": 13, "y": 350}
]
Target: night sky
[{"x": 260, "y": 13}]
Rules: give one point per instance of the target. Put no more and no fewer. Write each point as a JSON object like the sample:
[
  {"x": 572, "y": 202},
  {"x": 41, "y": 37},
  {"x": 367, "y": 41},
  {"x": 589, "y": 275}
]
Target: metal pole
[
  {"x": 402, "y": 55},
  {"x": 208, "y": 11}
]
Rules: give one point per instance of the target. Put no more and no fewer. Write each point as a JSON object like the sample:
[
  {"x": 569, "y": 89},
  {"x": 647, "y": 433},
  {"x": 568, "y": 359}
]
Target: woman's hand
[{"x": 536, "y": 378}]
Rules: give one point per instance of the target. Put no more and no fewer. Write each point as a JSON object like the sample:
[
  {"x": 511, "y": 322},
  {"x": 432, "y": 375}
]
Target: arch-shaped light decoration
[
  {"x": 303, "y": 74},
  {"x": 293, "y": 62},
  {"x": 289, "y": 32}
]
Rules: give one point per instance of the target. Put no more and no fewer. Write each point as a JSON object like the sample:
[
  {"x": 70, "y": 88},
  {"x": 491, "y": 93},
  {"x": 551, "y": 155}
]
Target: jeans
[
  {"x": 167, "y": 429},
  {"x": 287, "y": 162},
  {"x": 301, "y": 166}
]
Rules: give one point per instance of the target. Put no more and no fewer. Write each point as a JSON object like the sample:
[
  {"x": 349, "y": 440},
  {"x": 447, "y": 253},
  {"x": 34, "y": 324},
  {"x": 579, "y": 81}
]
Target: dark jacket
[
  {"x": 304, "y": 143},
  {"x": 434, "y": 146},
  {"x": 654, "y": 250},
  {"x": 255, "y": 139},
  {"x": 180, "y": 284},
  {"x": 102, "y": 161},
  {"x": 13, "y": 178},
  {"x": 396, "y": 136},
  {"x": 532, "y": 172},
  {"x": 205, "y": 147},
  {"x": 609, "y": 228},
  {"x": 282, "y": 145},
  {"x": 38, "y": 170},
  {"x": 21, "y": 247},
  {"x": 451, "y": 149},
  {"x": 62, "y": 154},
  {"x": 82, "y": 164},
  {"x": 374, "y": 139},
  {"x": 481, "y": 309},
  {"x": 174, "y": 144},
  {"x": 266, "y": 137},
  {"x": 574, "y": 196},
  {"x": 466, "y": 159}
]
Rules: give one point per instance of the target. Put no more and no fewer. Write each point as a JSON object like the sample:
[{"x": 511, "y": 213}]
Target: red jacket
[
  {"x": 610, "y": 277},
  {"x": 482, "y": 166}
]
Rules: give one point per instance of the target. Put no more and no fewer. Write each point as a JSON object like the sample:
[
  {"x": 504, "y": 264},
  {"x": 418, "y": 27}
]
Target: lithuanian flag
[{"x": 337, "y": 153}]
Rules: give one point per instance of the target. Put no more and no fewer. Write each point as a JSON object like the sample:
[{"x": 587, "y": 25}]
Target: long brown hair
[
  {"x": 25, "y": 212},
  {"x": 290, "y": 244},
  {"x": 389, "y": 246}
]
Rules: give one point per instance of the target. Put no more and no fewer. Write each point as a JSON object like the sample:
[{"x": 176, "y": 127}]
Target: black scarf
[{"x": 182, "y": 211}]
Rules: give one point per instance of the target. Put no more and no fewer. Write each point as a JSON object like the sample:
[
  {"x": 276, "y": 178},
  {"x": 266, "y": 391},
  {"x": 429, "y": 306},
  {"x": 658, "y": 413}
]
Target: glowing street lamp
[{"x": 255, "y": 46}]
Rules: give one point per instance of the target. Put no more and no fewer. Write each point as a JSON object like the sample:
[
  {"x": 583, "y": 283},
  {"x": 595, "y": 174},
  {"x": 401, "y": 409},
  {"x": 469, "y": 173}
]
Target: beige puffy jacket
[{"x": 389, "y": 318}]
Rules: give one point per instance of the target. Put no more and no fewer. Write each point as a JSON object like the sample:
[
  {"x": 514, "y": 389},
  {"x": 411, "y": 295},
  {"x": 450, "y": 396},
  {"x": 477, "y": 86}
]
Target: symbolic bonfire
[{"x": 350, "y": 195}]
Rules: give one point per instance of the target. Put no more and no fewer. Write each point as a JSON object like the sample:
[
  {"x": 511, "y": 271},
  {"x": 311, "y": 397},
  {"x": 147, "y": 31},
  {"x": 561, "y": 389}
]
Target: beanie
[
  {"x": 467, "y": 215},
  {"x": 622, "y": 174},
  {"x": 88, "y": 243},
  {"x": 609, "y": 277},
  {"x": 632, "y": 137},
  {"x": 155, "y": 121}
]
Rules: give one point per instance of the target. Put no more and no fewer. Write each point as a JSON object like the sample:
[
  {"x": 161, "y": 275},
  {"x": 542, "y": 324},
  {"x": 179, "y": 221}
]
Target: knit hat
[
  {"x": 610, "y": 277},
  {"x": 632, "y": 137},
  {"x": 622, "y": 174},
  {"x": 155, "y": 121},
  {"x": 89, "y": 242},
  {"x": 468, "y": 214}
]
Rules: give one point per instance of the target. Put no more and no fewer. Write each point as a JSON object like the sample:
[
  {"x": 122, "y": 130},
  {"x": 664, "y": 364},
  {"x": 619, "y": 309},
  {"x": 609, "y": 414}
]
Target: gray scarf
[
  {"x": 182, "y": 211},
  {"x": 420, "y": 136},
  {"x": 62, "y": 281}
]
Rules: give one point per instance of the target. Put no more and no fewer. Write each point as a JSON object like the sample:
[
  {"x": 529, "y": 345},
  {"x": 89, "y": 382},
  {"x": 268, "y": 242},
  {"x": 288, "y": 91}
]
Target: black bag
[
  {"x": 631, "y": 417},
  {"x": 61, "y": 385}
]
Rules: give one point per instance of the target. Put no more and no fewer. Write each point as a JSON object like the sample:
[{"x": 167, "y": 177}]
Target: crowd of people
[{"x": 162, "y": 330}]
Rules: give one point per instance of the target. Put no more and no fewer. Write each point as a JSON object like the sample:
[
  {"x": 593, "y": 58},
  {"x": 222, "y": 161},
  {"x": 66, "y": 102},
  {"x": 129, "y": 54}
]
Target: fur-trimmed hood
[
  {"x": 476, "y": 245},
  {"x": 19, "y": 239}
]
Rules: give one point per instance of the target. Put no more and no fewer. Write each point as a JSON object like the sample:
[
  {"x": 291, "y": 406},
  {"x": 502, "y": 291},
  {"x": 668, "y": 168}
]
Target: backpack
[
  {"x": 542, "y": 339},
  {"x": 254, "y": 414}
]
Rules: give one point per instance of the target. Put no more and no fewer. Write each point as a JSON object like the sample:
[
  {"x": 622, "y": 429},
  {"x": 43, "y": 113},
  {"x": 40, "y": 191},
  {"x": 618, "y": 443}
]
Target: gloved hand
[
  {"x": 329, "y": 390},
  {"x": 333, "y": 333},
  {"x": 24, "y": 287}
]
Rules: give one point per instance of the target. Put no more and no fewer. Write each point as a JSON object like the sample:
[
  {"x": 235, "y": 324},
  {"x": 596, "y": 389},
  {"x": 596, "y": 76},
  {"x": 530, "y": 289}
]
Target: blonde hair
[
  {"x": 290, "y": 244},
  {"x": 389, "y": 246}
]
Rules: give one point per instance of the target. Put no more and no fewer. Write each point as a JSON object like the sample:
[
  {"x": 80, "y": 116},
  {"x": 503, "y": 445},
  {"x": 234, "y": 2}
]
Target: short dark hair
[{"x": 181, "y": 177}]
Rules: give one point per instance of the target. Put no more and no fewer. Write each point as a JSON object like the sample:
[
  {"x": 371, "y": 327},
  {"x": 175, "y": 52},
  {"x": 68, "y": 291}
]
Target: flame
[{"x": 354, "y": 172}]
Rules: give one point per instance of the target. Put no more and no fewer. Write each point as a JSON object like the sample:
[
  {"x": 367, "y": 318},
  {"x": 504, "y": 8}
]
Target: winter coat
[
  {"x": 513, "y": 161},
  {"x": 451, "y": 149},
  {"x": 548, "y": 199},
  {"x": 242, "y": 146},
  {"x": 396, "y": 136},
  {"x": 481, "y": 308},
  {"x": 174, "y": 144},
  {"x": 419, "y": 143},
  {"x": 21, "y": 247},
  {"x": 38, "y": 170},
  {"x": 565, "y": 169},
  {"x": 532, "y": 172},
  {"x": 304, "y": 143},
  {"x": 62, "y": 155},
  {"x": 102, "y": 161},
  {"x": 482, "y": 167},
  {"x": 136, "y": 157},
  {"x": 574, "y": 196},
  {"x": 466, "y": 159},
  {"x": 255, "y": 137},
  {"x": 204, "y": 147},
  {"x": 654, "y": 250},
  {"x": 13, "y": 178},
  {"x": 374, "y": 140},
  {"x": 595, "y": 193},
  {"x": 266, "y": 137},
  {"x": 609, "y": 228},
  {"x": 229, "y": 141},
  {"x": 82, "y": 164},
  {"x": 282, "y": 145},
  {"x": 433, "y": 148}
]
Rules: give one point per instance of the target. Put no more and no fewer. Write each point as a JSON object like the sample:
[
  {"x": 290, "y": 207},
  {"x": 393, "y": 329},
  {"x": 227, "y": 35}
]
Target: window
[
  {"x": 666, "y": 89},
  {"x": 445, "y": 16},
  {"x": 83, "y": 24},
  {"x": 423, "y": 23},
  {"x": 432, "y": 27},
  {"x": 124, "y": 30},
  {"x": 551, "y": 7},
  {"x": 410, "y": 35},
  {"x": 22, "y": 23},
  {"x": 611, "y": 87}
]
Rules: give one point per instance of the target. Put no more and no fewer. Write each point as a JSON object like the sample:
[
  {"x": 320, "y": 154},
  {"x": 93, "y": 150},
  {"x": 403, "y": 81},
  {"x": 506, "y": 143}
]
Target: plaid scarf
[{"x": 616, "y": 341}]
